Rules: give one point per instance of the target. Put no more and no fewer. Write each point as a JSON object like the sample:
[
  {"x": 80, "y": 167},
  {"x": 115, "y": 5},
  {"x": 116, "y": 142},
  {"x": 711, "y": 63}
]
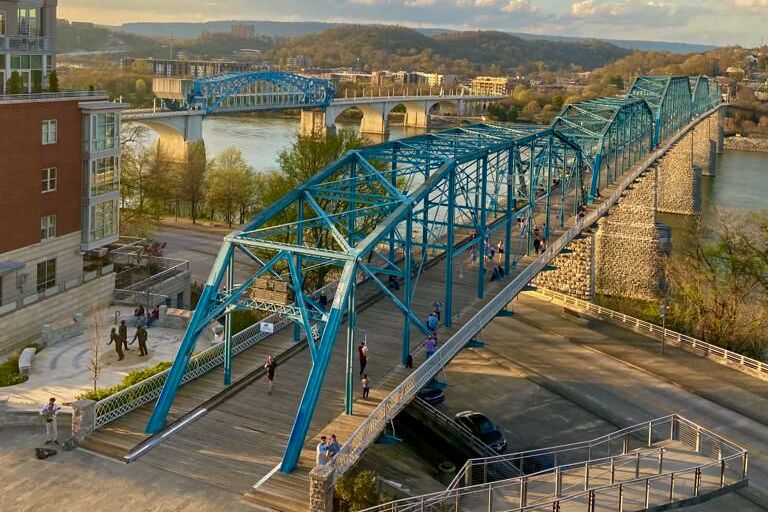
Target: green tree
[
  {"x": 230, "y": 184},
  {"x": 53, "y": 82},
  {"x": 357, "y": 491},
  {"x": 138, "y": 165},
  {"x": 191, "y": 179},
  {"x": 15, "y": 84}
]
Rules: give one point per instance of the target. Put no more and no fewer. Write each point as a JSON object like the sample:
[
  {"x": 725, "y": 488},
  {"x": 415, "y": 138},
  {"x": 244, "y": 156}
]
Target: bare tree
[{"x": 94, "y": 342}]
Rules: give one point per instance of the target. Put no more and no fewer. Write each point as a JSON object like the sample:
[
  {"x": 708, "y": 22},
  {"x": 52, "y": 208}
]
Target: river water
[{"x": 741, "y": 183}]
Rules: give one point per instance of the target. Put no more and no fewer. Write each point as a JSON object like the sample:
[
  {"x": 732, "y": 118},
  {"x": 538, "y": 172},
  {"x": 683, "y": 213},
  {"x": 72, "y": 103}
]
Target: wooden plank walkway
[{"x": 242, "y": 439}]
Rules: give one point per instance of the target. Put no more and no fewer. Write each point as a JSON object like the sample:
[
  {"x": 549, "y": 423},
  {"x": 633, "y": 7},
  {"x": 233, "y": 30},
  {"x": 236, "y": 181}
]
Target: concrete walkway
[{"x": 61, "y": 370}]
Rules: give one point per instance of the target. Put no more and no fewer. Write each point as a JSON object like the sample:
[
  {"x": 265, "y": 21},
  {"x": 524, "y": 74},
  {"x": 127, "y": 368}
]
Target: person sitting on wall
[{"x": 154, "y": 315}]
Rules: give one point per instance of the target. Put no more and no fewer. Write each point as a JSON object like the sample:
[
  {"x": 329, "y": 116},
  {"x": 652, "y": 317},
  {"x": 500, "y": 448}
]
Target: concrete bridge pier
[
  {"x": 315, "y": 121},
  {"x": 180, "y": 138}
]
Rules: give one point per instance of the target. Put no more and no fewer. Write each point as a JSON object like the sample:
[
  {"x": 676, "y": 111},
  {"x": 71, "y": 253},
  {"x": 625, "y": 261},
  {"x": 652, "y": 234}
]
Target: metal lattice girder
[
  {"x": 383, "y": 211},
  {"x": 669, "y": 97},
  {"x": 267, "y": 90},
  {"x": 612, "y": 132}
]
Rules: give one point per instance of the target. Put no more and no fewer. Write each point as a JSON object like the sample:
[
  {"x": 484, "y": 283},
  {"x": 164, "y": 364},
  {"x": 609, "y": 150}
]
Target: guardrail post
[
  {"x": 637, "y": 466},
  {"x": 661, "y": 459},
  {"x": 556, "y": 506},
  {"x": 558, "y": 481},
  {"x": 485, "y": 471},
  {"x": 745, "y": 466},
  {"x": 650, "y": 434},
  {"x": 647, "y": 491},
  {"x": 586, "y": 475},
  {"x": 722, "y": 473},
  {"x": 698, "y": 439},
  {"x": 671, "y": 487},
  {"x": 697, "y": 481},
  {"x": 591, "y": 502},
  {"x": 613, "y": 469},
  {"x": 621, "y": 498},
  {"x": 490, "y": 498},
  {"x": 523, "y": 492},
  {"x": 468, "y": 475},
  {"x": 625, "y": 445}
]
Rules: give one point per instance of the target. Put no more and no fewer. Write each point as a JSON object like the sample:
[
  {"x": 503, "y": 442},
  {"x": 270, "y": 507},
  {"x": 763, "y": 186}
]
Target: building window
[
  {"x": 29, "y": 21},
  {"x": 103, "y": 220},
  {"x": 48, "y": 227},
  {"x": 104, "y": 175},
  {"x": 46, "y": 274},
  {"x": 49, "y": 179},
  {"x": 104, "y": 132},
  {"x": 2, "y": 23},
  {"x": 49, "y": 131}
]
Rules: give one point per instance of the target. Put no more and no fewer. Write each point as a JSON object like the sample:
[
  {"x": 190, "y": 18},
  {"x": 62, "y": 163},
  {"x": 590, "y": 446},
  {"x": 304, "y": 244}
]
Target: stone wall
[
  {"x": 573, "y": 273},
  {"x": 627, "y": 246},
  {"x": 321, "y": 489},
  {"x": 679, "y": 180},
  {"x": 27, "y": 322}
]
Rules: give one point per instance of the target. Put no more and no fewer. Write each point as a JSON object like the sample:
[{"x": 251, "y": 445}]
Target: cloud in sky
[{"x": 703, "y": 21}]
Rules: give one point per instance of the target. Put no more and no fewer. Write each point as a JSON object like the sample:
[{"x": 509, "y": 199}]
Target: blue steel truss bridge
[{"x": 389, "y": 229}]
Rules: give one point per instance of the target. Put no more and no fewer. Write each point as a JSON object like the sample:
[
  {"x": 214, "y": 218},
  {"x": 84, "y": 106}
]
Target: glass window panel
[
  {"x": 46, "y": 275},
  {"x": 2, "y": 23}
]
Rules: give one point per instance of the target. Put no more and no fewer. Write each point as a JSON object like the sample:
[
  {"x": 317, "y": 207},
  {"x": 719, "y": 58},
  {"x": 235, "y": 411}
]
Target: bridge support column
[
  {"x": 416, "y": 116},
  {"x": 315, "y": 122},
  {"x": 321, "y": 489},
  {"x": 720, "y": 130},
  {"x": 375, "y": 123},
  {"x": 679, "y": 178},
  {"x": 704, "y": 134}
]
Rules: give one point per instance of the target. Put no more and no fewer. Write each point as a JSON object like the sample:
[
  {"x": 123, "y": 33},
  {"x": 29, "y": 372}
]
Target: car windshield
[{"x": 486, "y": 427}]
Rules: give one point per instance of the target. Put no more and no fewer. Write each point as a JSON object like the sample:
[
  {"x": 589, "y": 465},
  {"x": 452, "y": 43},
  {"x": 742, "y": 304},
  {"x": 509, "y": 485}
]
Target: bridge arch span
[{"x": 176, "y": 135}]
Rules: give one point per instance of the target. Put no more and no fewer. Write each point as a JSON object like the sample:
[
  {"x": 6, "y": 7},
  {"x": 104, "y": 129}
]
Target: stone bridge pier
[
  {"x": 376, "y": 113},
  {"x": 625, "y": 255}
]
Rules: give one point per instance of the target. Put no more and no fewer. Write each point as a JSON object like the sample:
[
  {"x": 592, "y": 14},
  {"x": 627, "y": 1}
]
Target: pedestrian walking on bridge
[
  {"x": 269, "y": 366},
  {"x": 362, "y": 353}
]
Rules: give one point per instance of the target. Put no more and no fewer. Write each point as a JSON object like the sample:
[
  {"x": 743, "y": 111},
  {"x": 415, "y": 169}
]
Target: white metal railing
[
  {"x": 398, "y": 398},
  {"x": 663, "y": 450},
  {"x": 664, "y": 335},
  {"x": 52, "y": 95},
  {"x": 25, "y": 43},
  {"x": 122, "y": 402}
]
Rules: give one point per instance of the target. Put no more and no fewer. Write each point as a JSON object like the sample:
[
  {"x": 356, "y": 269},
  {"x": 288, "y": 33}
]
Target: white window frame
[
  {"x": 50, "y": 131},
  {"x": 50, "y": 176},
  {"x": 50, "y": 281},
  {"x": 47, "y": 227}
]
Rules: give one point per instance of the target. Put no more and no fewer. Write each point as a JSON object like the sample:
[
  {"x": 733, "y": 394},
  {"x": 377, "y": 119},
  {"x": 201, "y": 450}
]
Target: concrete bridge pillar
[
  {"x": 375, "y": 122},
  {"x": 680, "y": 177},
  {"x": 316, "y": 122},
  {"x": 416, "y": 115},
  {"x": 720, "y": 130},
  {"x": 705, "y": 138}
]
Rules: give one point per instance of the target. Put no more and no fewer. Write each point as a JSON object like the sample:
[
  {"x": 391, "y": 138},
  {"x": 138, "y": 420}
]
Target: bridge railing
[
  {"x": 696, "y": 346},
  {"x": 398, "y": 398},
  {"x": 647, "y": 457}
]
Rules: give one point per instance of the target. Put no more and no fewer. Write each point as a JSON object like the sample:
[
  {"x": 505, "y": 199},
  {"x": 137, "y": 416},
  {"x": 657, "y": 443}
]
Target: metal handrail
[
  {"x": 52, "y": 95},
  {"x": 700, "y": 440},
  {"x": 694, "y": 345},
  {"x": 398, "y": 398}
]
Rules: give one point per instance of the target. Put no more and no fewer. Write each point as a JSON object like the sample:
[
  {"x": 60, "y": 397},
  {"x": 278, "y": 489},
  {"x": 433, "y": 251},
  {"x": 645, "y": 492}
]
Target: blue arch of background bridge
[
  {"x": 410, "y": 197},
  {"x": 277, "y": 89}
]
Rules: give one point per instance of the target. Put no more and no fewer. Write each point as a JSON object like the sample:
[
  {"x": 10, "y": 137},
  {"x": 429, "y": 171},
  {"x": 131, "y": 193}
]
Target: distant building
[
  {"x": 27, "y": 36},
  {"x": 490, "y": 85},
  {"x": 299, "y": 62},
  {"x": 183, "y": 68},
  {"x": 244, "y": 31},
  {"x": 378, "y": 78},
  {"x": 438, "y": 80}
]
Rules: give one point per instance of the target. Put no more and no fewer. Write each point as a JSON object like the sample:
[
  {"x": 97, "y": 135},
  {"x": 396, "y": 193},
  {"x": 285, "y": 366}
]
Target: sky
[{"x": 719, "y": 22}]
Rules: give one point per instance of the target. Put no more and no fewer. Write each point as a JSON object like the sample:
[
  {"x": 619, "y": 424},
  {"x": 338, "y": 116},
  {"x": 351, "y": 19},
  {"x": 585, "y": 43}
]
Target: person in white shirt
[
  {"x": 322, "y": 452},
  {"x": 49, "y": 413}
]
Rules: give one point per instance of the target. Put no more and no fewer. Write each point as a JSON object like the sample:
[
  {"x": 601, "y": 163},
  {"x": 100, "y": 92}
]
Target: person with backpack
[
  {"x": 432, "y": 322},
  {"x": 49, "y": 413},
  {"x": 362, "y": 354},
  {"x": 269, "y": 366}
]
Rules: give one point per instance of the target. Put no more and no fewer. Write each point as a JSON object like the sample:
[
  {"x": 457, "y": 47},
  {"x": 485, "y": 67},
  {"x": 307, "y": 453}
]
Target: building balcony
[
  {"x": 27, "y": 44},
  {"x": 48, "y": 96}
]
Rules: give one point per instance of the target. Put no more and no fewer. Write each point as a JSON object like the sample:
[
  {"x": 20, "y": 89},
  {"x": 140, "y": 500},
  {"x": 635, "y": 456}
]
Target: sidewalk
[{"x": 725, "y": 386}]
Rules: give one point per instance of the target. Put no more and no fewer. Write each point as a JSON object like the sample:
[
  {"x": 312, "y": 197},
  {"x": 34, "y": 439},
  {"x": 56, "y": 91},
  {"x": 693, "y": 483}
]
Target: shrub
[
  {"x": 357, "y": 491},
  {"x": 9, "y": 370},
  {"x": 129, "y": 380}
]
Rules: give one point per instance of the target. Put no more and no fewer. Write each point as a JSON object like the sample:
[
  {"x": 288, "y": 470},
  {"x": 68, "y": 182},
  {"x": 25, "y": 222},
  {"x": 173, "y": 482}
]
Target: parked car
[
  {"x": 483, "y": 428},
  {"x": 432, "y": 396}
]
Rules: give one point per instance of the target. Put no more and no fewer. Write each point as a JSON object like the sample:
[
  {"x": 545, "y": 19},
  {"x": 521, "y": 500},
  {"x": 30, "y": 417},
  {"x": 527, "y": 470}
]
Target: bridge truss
[
  {"x": 259, "y": 90},
  {"x": 382, "y": 212}
]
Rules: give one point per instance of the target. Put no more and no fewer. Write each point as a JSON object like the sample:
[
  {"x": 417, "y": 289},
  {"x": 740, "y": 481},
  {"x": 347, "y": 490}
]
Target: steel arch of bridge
[
  {"x": 284, "y": 90},
  {"x": 385, "y": 210}
]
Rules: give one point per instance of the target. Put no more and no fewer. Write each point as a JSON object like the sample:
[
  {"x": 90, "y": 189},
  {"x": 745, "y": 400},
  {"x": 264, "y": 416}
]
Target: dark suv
[{"x": 483, "y": 428}]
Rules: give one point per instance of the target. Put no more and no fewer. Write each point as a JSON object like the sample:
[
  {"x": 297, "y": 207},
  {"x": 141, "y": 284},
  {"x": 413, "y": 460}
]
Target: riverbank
[{"x": 737, "y": 143}]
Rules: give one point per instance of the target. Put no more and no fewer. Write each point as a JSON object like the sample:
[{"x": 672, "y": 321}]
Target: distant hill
[
  {"x": 465, "y": 53},
  {"x": 300, "y": 28}
]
